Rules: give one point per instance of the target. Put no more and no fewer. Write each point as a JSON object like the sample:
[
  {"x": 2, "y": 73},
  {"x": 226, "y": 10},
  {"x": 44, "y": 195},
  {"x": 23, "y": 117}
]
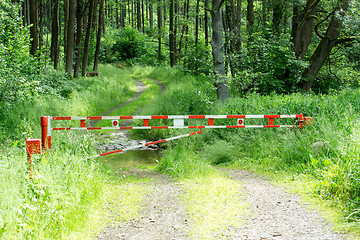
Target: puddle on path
[{"x": 133, "y": 158}]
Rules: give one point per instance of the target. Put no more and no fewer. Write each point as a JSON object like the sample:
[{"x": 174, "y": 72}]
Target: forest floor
[{"x": 274, "y": 213}]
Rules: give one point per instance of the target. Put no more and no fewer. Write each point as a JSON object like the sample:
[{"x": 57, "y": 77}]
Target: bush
[
  {"x": 125, "y": 44},
  {"x": 267, "y": 65}
]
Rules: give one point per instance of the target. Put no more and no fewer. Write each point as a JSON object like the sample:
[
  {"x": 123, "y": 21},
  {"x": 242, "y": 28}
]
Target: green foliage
[
  {"x": 198, "y": 60},
  {"x": 59, "y": 200},
  {"x": 267, "y": 65},
  {"x": 335, "y": 164},
  {"x": 58, "y": 95},
  {"x": 127, "y": 45},
  {"x": 183, "y": 163},
  {"x": 18, "y": 72},
  {"x": 67, "y": 189}
]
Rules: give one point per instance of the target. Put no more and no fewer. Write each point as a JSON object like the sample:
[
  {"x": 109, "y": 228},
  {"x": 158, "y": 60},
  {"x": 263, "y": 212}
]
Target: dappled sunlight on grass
[{"x": 213, "y": 203}]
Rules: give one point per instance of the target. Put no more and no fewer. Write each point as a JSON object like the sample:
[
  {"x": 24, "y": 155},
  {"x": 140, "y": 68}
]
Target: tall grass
[
  {"x": 86, "y": 96},
  {"x": 335, "y": 165},
  {"x": 66, "y": 195}
]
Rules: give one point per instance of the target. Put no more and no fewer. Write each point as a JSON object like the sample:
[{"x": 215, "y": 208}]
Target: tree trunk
[
  {"x": 237, "y": 28},
  {"x": 92, "y": 8},
  {"x": 325, "y": 46},
  {"x": 151, "y": 16},
  {"x": 41, "y": 25},
  {"x": 206, "y": 22},
  {"x": 138, "y": 14},
  {"x": 33, "y": 28},
  {"x": 79, "y": 26},
  {"x": 123, "y": 14},
  {"x": 98, "y": 36},
  {"x": 159, "y": 28},
  {"x": 69, "y": 54},
  {"x": 54, "y": 52},
  {"x": 217, "y": 44},
  {"x": 66, "y": 21},
  {"x": 278, "y": 11},
  {"x": 263, "y": 13},
  {"x": 171, "y": 34},
  {"x": 197, "y": 23},
  {"x": 143, "y": 15},
  {"x": 303, "y": 25},
  {"x": 250, "y": 16}
]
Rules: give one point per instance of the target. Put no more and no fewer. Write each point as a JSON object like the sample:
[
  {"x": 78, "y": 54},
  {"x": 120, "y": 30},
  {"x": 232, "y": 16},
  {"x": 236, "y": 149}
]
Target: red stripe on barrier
[
  {"x": 61, "y": 129},
  {"x": 235, "y": 116},
  {"x": 196, "y": 116},
  {"x": 94, "y": 128},
  {"x": 126, "y": 117},
  {"x": 196, "y": 126},
  {"x": 240, "y": 126},
  {"x": 271, "y": 116},
  {"x": 61, "y": 118},
  {"x": 271, "y": 126},
  {"x": 160, "y": 127},
  {"x": 94, "y": 118},
  {"x": 126, "y": 127},
  {"x": 191, "y": 134},
  {"x": 104, "y": 154},
  {"x": 151, "y": 143},
  {"x": 159, "y": 117}
]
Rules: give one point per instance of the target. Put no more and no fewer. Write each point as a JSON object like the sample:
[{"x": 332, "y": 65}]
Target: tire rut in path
[
  {"x": 275, "y": 214},
  {"x": 141, "y": 87},
  {"x": 162, "y": 217},
  {"x": 140, "y": 90}
]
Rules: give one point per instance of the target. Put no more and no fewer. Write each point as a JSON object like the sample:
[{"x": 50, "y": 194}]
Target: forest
[{"x": 78, "y": 57}]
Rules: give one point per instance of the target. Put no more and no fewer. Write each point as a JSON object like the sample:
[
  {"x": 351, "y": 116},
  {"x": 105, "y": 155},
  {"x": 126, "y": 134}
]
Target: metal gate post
[{"x": 45, "y": 132}]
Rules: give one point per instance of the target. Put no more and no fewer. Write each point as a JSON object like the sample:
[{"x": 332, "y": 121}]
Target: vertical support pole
[
  {"x": 211, "y": 122},
  {"x": 301, "y": 121},
  {"x": 146, "y": 122},
  {"x": 49, "y": 133},
  {"x": 44, "y": 132},
  {"x": 82, "y": 123},
  {"x": 33, "y": 146},
  {"x": 271, "y": 122}
]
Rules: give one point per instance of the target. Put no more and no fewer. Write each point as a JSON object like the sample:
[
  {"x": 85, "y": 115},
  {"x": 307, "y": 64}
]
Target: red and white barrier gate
[{"x": 237, "y": 121}]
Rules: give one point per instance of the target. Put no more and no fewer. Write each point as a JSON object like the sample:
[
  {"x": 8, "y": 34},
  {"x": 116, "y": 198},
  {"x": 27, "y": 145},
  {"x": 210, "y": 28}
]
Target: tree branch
[{"x": 346, "y": 39}]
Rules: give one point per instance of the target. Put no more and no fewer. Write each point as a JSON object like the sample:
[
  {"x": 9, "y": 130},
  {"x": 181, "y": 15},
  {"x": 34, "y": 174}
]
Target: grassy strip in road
[
  {"x": 126, "y": 196},
  {"x": 212, "y": 201},
  {"x": 214, "y": 204}
]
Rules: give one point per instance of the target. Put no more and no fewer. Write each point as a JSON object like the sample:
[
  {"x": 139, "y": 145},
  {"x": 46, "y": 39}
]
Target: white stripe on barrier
[
  {"x": 173, "y": 127},
  {"x": 173, "y": 117}
]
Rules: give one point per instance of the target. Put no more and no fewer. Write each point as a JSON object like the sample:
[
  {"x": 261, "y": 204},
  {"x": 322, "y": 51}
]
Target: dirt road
[{"x": 275, "y": 214}]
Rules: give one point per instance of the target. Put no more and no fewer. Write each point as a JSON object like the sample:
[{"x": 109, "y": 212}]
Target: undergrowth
[
  {"x": 65, "y": 198},
  {"x": 327, "y": 151}
]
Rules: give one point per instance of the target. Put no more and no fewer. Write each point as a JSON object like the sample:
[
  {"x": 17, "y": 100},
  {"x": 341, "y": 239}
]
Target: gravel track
[{"x": 274, "y": 213}]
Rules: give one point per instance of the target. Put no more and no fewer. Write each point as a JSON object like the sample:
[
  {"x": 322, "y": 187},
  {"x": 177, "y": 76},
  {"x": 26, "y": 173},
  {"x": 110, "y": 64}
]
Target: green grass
[
  {"x": 56, "y": 206},
  {"x": 66, "y": 197},
  {"x": 335, "y": 167},
  {"x": 214, "y": 204},
  {"x": 126, "y": 198},
  {"x": 63, "y": 196}
]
